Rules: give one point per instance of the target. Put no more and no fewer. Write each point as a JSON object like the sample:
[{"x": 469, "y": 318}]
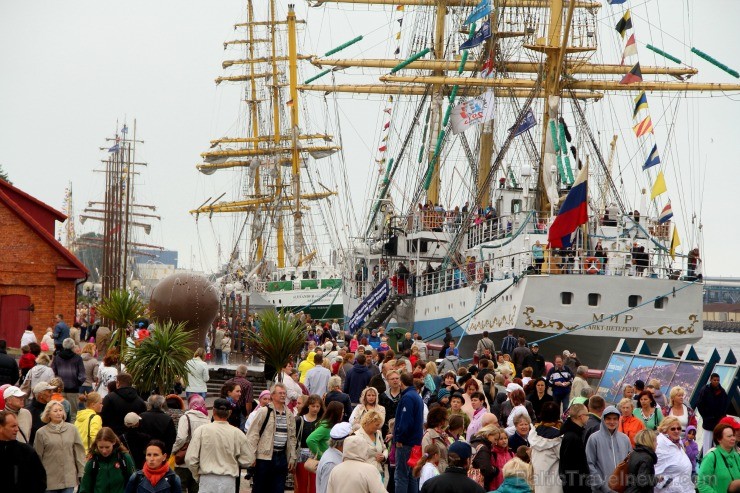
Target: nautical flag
[
  {"x": 659, "y": 186},
  {"x": 399, "y": 8},
  {"x": 616, "y": 2},
  {"x": 400, "y": 22},
  {"x": 486, "y": 70},
  {"x": 573, "y": 212},
  {"x": 398, "y": 51},
  {"x": 386, "y": 126},
  {"x": 388, "y": 110},
  {"x": 382, "y": 148},
  {"x": 652, "y": 159},
  {"x": 390, "y": 99},
  {"x": 124, "y": 130},
  {"x": 675, "y": 241},
  {"x": 380, "y": 161},
  {"x": 472, "y": 112},
  {"x": 480, "y": 11},
  {"x": 640, "y": 103},
  {"x": 634, "y": 75},
  {"x": 114, "y": 148},
  {"x": 398, "y": 35},
  {"x": 624, "y": 23},
  {"x": 644, "y": 127},
  {"x": 527, "y": 123},
  {"x": 480, "y": 35},
  {"x": 289, "y": 103},
  {"x": 630, "y": 49},
  {"x": 666, "y": 214}
]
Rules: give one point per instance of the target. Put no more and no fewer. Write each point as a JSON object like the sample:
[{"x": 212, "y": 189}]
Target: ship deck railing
[{"x": 467, "y": 273}]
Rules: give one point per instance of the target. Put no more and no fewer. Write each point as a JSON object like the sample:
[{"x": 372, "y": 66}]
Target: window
[
  {"x": 634, "y": 300},
  {"x": 516, "y": 206},
  {"x": 660, "y": 303},
  {"x": 566, "y": 298},
  {"x": 594, "y": 299}
]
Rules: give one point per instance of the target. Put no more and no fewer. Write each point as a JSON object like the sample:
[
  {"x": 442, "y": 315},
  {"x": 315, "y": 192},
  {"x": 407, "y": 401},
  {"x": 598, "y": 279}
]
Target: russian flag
[{"x": 573, "y": 212}]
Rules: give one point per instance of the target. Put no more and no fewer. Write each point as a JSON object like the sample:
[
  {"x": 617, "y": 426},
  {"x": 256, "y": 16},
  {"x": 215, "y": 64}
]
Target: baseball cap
[
  {"x": 727, "y": 420},
  {"x": 534, "y": 344},
  {"x": 13, "y": 391},
  {"x": 41, "y": 386},
  {"x": 462, "y": 449},
  {"x": 221, "y": 405},
  {"x": 131, "y": 419},
  {"x": 340, "y": 431},
  {"x": 512, "y": 387}
]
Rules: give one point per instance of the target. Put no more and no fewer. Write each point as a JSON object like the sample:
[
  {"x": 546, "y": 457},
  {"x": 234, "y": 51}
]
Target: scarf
[
  {"x": 197, "y": 403},
  {"x": 154, "y": 475}
]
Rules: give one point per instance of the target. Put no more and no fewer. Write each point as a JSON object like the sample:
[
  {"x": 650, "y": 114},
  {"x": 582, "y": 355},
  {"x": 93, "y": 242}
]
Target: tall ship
[
  {"x": 280, "y": 203},
  {"x": 523, "y": 155},
  {"x": 116, "y": 223}
]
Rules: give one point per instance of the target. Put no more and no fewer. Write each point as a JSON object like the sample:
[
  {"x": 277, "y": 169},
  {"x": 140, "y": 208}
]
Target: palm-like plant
[
  {"x": 161, "y": 358},
  {"x": 281, "y": 336},
  {"x": 121, "y": 308}
]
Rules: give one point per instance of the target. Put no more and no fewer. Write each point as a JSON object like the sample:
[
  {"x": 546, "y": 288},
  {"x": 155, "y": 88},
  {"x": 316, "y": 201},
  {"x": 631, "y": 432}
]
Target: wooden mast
[
  {"x": 435, "y": 123},
  {"x": 295, "y": 157},
  {"x": 276, "y": 132},
  {"x": 254, "y": 117}
]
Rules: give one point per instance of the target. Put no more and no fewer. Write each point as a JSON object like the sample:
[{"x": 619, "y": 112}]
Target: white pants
[
  {"x": 707, "y": 441},
  {"x": 212, "y": 483}
]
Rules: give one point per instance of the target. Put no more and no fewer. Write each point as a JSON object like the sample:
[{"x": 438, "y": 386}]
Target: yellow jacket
[
  {"x": 88, "y": 428},
  {"x": 306, "y": 365}
]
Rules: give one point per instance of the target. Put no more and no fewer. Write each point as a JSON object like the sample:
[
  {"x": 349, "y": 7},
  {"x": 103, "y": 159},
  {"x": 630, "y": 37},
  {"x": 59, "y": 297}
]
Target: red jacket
[{"x": 26, "y": 361}]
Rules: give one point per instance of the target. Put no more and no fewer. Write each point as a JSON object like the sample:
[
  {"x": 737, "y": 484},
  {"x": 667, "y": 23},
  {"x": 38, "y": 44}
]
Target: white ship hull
[{"x": 319, "y": 303}]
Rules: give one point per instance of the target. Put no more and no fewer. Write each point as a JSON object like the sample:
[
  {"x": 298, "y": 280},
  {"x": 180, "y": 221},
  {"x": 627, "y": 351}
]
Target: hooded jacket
[
  {"x": 605, "y": 450},
  {"x": 88, "y": 424},
  {"x": 641, "y": 471},
  {"x": 449, "y": 363},
  {"x": 70, "y": 368},
  {"x": 39, "y": 373},
  {"x": 712, "y": 405},
  {"x": 91, "y": 368},
  {"x": 110, "y": 475},
  {"x": 573, "y": 467},
  {"x": 409, "y": 418},
  {"x": 357, "y": 379},
  {"x": 545, "y": 442},
  {"x": 306, "y": 365},
  {"x": 354, "y": 474},
  {"x": 116, "y": 405},
  {"x": 673, "y": 463}
]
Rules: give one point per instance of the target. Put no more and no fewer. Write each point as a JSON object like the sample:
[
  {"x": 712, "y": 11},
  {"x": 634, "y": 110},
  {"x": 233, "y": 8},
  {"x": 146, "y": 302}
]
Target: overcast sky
[{"x": 71, "y": 70}]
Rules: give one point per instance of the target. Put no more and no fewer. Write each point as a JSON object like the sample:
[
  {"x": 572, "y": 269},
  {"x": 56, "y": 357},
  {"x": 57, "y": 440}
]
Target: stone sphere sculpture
[{"x": 187, "y": 298}]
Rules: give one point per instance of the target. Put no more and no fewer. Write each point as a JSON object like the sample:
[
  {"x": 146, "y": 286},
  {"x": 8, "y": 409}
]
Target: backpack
[
  {"x": 475, "y": 473},
  {"x": 618, "y": 478}
]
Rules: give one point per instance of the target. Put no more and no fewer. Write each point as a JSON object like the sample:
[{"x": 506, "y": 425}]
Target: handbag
[
  {"x": 474, "y": 473},
  {"x": 311, "y": 464},
  {"x": 180, "y": 454},
  {"x": 415, "y": 456},
  {"x": 618, "y": 478}
]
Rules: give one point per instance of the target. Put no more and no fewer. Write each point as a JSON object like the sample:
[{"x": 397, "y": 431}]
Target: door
[{"x": 14, "y": 317}]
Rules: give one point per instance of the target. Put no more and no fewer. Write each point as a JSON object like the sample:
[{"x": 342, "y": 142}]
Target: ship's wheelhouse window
[
  {"x": 566, "y": 298},
  {"x": 634, "y": 300},
  {"x": 594, "y": 299},
  {"x": 660, "y": 303},
  {"x": 516, "y": 206}
]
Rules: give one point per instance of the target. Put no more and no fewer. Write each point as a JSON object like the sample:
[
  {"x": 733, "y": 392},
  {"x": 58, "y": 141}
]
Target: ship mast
[
  {"x": 295, "y": 157},
  {"x": 253, "y": 103}
]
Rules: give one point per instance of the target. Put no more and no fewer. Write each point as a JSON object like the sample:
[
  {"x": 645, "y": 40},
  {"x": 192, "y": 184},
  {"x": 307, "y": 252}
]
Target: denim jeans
[
  {"x": 405, "y": 480},
  {"x": 270, "y": 475},
  {"x": 563, "y": 399}
]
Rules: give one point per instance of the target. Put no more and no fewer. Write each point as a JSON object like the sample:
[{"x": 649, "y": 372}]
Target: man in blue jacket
[
  {"x": 407, "y": 433},
  {"x": 559, "y": 379},
  {"x": 357, "y": 379}
]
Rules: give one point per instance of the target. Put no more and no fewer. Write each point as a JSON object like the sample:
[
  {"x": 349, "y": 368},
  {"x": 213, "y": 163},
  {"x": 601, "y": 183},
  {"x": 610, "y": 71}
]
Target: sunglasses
[{"x": 674, "y": 429}]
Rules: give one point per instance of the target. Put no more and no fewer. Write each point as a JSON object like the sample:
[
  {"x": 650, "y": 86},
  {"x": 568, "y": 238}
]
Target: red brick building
[{"x": 38, "y": 276}]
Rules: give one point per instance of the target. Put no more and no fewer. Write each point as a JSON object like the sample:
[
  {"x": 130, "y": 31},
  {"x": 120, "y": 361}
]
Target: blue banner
[
  {"x": 370, "y": 303},
  {"x": 528, "y": 122},
  {"x": 481, "y": 10},
  {"x": 481, "y": 35}
]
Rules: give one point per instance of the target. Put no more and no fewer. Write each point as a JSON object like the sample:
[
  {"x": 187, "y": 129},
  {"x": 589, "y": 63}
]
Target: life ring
[{"x": 592, "y": 265}]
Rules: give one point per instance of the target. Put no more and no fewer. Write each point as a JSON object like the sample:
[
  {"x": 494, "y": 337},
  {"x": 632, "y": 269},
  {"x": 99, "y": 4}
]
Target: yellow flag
[
  {"x": 658, "y": 186},
  {"x": 399, "y": 8},
  {"x": 398, "y": 35},
  {"x": 675, "y": 241}
]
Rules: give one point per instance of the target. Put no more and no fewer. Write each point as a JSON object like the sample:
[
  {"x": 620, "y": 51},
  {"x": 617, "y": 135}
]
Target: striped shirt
[{"x": 281, "y": 431}]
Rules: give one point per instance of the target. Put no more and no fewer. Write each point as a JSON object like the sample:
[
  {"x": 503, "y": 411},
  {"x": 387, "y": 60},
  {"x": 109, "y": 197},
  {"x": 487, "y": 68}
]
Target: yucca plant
[
  {"x": 121, "y": 308},
  {"x": 160, "y": 359},
  {"x": 280, "y": 337}
]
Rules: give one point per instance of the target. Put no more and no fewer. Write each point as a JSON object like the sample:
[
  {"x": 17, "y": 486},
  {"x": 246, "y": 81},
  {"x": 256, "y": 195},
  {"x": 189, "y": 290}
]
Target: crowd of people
[{"x": 350, "y": 413}]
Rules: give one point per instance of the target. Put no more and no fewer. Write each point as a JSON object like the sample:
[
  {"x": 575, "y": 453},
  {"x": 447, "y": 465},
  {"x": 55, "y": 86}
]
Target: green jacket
[
  {"x": 718, "y": 469},
  {"x": 318, "y": 440},
  {"x": 109, "y": 478}
]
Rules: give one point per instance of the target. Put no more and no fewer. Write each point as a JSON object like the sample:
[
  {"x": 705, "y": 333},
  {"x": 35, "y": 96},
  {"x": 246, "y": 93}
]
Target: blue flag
[
  {"x": 481, "y": 10},
  {"x": 528, "y": 122},
  {"x": 124, "y": 130},
  {"x": 481, "y": 35},
  {"x": 652, "y": 159},
  {"x": 616, "y": 2},
  {"x": 114, "y": 148}
]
